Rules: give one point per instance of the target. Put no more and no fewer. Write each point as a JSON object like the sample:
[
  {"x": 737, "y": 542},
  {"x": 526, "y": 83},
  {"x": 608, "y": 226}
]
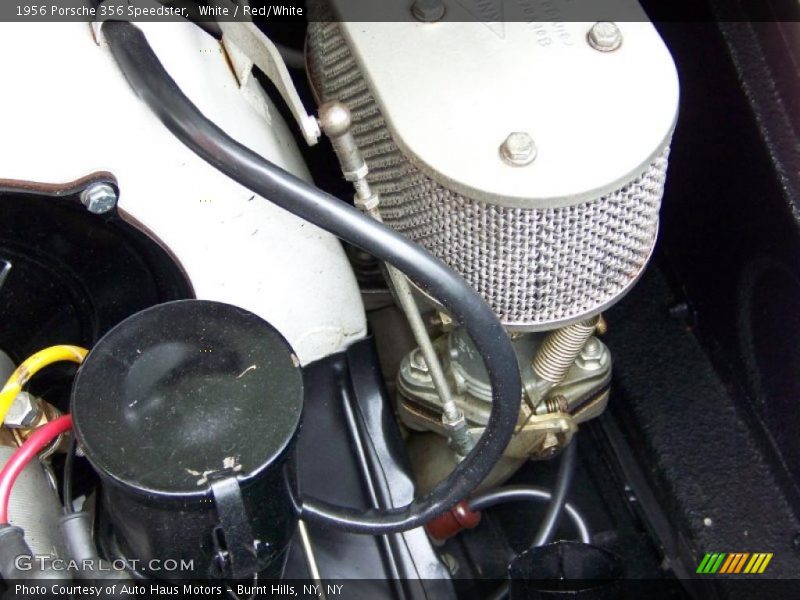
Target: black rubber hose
[
  {"x": 566, "y": 469},
  {"x": 527, "y": 493},
  {"x": 155, "y": 87}
]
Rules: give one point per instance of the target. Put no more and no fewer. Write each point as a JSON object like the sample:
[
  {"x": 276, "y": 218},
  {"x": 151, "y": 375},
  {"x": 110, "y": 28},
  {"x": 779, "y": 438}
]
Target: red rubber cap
[{"x": 450, "y": 523}]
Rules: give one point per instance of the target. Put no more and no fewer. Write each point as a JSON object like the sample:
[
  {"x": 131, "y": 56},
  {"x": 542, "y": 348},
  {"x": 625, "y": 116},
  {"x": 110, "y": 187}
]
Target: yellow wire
[{"x": 33, "y": 365}]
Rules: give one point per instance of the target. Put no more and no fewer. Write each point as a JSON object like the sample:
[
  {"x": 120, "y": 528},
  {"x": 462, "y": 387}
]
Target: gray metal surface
[{"x": 34, "y": 506}]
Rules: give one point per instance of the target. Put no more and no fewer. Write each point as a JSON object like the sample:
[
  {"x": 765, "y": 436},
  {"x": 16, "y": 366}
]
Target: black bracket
[{"x": 238, "y": 550}]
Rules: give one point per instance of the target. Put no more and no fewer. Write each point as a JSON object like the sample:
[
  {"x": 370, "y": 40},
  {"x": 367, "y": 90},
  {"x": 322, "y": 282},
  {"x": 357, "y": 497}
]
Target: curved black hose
[
  {"x": 566, "y": 469},
  {"x": 526, "y": 493},
  {"x": 155, "y": 87}
]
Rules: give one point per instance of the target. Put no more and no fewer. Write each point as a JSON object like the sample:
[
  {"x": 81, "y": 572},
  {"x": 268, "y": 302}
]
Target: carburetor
[
  {"x": 526, "y": 162},
  {"x": 565, "y": 382}
]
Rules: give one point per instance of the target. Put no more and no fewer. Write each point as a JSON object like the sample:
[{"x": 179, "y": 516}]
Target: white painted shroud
[{"x": 66, "y": 111}]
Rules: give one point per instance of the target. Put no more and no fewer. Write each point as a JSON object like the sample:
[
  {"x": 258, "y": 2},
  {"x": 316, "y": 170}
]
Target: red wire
[{"x": 24, "y": 454}]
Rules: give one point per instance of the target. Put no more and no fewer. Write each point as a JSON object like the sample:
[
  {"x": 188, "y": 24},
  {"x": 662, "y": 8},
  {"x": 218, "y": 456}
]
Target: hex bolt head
[
  {"x": 427, "y": 11},
  {"x": 24, "y": 412},
  {"x": 518, "y": 149},
  {"x": 604, "y": 36},
  {"x": 99, "y": 198},
  {"x": 592, "y": 356}
]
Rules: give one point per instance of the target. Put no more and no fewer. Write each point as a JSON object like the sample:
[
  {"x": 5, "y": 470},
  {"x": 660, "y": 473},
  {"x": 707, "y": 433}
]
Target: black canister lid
[{"x": 186, "y": 391}]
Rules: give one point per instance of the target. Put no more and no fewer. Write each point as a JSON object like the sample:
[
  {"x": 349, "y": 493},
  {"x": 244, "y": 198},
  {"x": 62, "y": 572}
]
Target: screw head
[
  {"x": 99, "y": 198},
  {"x": 418, "y": 362},
  {"x": 427, "y": 11},
  {"x": 24, "y": 412},
  {"x": 518, "y": 149},
  {"x": 604, "y": 36}
]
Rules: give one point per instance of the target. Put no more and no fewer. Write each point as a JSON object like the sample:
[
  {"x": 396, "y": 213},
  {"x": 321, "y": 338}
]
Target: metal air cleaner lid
[{"x": 595, "y": 119}]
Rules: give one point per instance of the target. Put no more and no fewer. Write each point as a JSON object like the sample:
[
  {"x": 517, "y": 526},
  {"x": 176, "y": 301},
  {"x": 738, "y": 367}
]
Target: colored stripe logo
[{"x": 734, "y": 563}]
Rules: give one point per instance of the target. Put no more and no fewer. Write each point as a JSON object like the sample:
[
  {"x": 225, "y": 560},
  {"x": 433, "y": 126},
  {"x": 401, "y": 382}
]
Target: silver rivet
[
  {"x": 605, "y": 36},
  {"x": 99, "y": 198},
  {"x": 518, "y": 149},
  {"x": 427, "y": 11}
]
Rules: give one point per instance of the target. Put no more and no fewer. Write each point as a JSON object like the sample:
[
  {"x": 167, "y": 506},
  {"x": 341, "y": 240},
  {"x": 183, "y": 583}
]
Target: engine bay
[{"x": 400, "y": 301}]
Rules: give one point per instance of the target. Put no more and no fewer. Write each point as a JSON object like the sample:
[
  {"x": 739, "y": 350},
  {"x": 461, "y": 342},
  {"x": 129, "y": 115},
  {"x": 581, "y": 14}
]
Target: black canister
[
  {"x": 565, "y": 569},
  {"x": 189, "y": 412}
]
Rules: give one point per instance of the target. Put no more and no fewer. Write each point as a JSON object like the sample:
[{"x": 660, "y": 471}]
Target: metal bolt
[
  {"x": 99, "y": 198},
  {"x": 604, "y": 36},
  {"x": 417, "y": 361},
  {"x": 518, "y": 149},
  {"x": 591, "y": 357},
  {"x": 25, "y": 411},
  {"x": 427, "y": 11},
  {"x": 592, "y": 349}
]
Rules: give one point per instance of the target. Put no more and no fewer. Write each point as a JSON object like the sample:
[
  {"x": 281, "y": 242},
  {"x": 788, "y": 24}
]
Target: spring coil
[
  {"x": 556, "y": 404},
  {"x": 560, "y": 349}
]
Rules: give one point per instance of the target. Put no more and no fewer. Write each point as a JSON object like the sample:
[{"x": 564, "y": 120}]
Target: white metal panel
[{"x": 67, "y": 111}]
